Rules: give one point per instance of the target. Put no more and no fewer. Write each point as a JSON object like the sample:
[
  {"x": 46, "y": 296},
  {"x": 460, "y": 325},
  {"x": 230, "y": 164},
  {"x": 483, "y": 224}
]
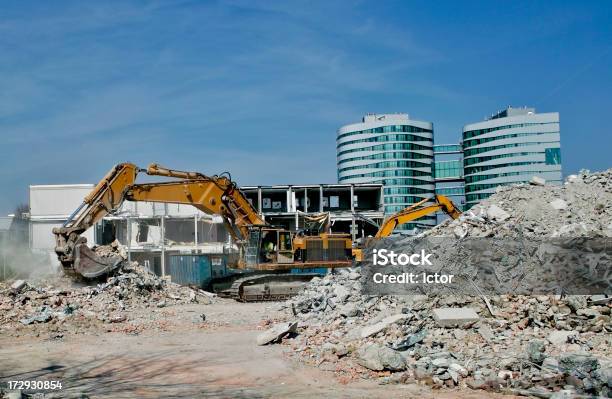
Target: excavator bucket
[
  {"x": 89, "y": 265},
  {"x": 77, "y": 258}
]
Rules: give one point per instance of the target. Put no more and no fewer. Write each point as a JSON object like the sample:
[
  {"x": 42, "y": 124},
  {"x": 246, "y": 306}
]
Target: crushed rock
[
  {"x": 60, "y": 304},
  {"x": 530, "y": 345}
]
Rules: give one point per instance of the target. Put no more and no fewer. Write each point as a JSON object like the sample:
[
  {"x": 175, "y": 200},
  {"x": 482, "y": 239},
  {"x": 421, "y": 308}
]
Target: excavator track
[{"x": 267, "y": 287}]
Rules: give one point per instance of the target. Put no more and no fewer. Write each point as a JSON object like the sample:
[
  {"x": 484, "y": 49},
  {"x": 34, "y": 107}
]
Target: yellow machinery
[
  {"x": 413, "y": 212},
  {"x": 262, "y": 247}
]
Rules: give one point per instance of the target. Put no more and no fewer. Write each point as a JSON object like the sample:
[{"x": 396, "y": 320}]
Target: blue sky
[{"x": 259, "y": 88}]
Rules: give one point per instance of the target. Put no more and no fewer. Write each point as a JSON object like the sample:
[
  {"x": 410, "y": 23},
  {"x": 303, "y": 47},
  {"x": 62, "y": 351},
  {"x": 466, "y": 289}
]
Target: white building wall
[
  {"x": 56, "y": 201},
  {"x": 50, "y": 206}
]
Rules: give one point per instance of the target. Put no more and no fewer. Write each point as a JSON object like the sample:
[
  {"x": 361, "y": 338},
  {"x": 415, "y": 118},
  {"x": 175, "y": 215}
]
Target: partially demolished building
[{"x": 167, "y": 238}]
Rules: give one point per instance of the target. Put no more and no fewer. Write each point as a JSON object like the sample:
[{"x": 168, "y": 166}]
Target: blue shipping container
[
  {"x": 318, "y": 270},
  {"x": 190, "y": 269}
]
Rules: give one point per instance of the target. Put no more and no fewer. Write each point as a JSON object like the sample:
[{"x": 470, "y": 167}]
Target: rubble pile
[
  {"x": 582, "y": 207},
  {"x": 544, "y": 346},
  {"x": 61, "y": 304}
]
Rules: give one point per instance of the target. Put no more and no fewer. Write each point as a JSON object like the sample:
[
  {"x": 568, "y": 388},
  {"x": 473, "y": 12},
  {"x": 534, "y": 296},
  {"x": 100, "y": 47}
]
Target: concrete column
[
  {"x": 320, "y": 198},
  {"x": 259, "y": 200},
  {"x": 352, "y": 198},
  {"x": 163, "y": 245},
  {"x": 129, "y": 239},
  {"x": 195, "y": 231},
  {"x": 297, "y": 221},
  {"x": 305, "y": 199}
]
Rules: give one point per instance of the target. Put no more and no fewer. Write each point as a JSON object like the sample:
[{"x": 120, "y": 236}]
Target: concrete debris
[
  {"x": 455, "y": 317},
  {"x": 276, "y": 333},
  {"x": 377, "y": 357},
  {"x": 13, "y": 394},
  {"x": 382, "y": 325},
  {"x": 535, "y": 351},
  {"x": 531, "y": 345},
  {"x": 496, "y": 213},
  {"x": 560, "y": 337},
  {"x": 558, "y": 204},
  {"x": 18, "y": 285},
  {"x": 65, "y": 306},
  {"x": 41, "y": 317},
  {"x": 537, "y": 181},
  {"x": 411, "y": 341},
  {"x": 579, "y": 363}
]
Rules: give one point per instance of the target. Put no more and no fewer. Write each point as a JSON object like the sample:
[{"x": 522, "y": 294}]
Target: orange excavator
[
  {"x": 265, "y": 252},
  {"x": 422, "y": 208},
  {"x": 263, "y": 248}
]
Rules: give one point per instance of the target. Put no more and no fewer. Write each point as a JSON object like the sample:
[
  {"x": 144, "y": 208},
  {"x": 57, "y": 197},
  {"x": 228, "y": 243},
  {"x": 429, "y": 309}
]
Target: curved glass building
[
  {"x": 510, "y": 147},
  {"x": 394, "y": 150}
]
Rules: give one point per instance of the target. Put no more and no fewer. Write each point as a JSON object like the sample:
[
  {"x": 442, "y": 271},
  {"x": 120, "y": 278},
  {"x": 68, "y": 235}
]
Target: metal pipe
[{"x": 74, "y": 214}]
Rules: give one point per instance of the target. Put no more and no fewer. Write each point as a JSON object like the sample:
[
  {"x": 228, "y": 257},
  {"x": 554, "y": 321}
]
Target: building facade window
[
  {"x": 553, "y": 156},
  {"x": 391, "y": 149},
  {"x": 487, "y": 167}
]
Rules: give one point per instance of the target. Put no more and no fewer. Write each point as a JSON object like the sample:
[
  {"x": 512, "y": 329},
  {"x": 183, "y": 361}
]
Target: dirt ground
[{"x": 172, "y": 353}]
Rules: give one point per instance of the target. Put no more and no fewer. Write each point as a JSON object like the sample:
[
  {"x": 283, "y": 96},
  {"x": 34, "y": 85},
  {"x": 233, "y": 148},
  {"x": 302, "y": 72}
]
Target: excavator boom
[
  {"x": 413, "y": 212},
  {"x": 210, "y": 194},
  {"x": 440, "y": 203},
  {"x": 262, "y": 247}
]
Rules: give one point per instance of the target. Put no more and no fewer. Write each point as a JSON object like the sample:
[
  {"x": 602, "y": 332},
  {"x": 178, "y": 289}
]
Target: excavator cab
[{"x": 268, "y": 245}]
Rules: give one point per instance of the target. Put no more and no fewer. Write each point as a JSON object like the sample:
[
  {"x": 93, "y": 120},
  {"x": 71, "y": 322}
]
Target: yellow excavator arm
[
  {"x": 262, "y": 247},
  {"x": 413, "y": 212},
  {"x": 210, "y": 194}
]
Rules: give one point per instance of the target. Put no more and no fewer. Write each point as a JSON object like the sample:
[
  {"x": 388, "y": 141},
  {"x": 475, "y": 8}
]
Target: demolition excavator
[
  {"x": 422, "y": 208},
  {"x": 265, "y": 253}
]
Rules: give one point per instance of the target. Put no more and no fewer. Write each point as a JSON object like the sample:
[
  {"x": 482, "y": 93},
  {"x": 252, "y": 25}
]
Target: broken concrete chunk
[
  {"x": 560, "y": 337},
  {"x": 18, "y": 285},
  {"x": 578, "y": 363},
  {"x": 599, "y": 299},
  {"x": 410, "y": 341},
  {"x": 535, "y": 351},
  {"x": 354, "y": 275},
  {"x": 13, "y": 394},
  {"x": 118, "y": 318},
  {"x": 460, "y": 232},
  {"x": 459, "y": 369},
  {"x": 277, "y": 332},
  {"x": 496, "y": 213},
  {"x": 576, "y": 302},
  {"x": 383, "y": 324},
  {"x": 378, "y": 358},
  {"x": 350, "y": 310},
  {"x": 550, "y": 363},
  {"x": 341, "y": 293},
  {"x": 441, "y": 362},
  {"x": 537, "y": 181},
  {"x": 486, "y": 333},
  {"x": 41, "y": 317},
  {"x": 455, "y": 317},
  {"x": 558, "y": 204}
]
